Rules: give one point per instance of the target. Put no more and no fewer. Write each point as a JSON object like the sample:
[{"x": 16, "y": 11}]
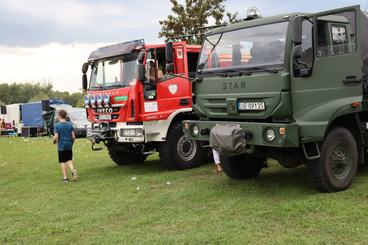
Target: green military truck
[{"x": 290, "y": 87}]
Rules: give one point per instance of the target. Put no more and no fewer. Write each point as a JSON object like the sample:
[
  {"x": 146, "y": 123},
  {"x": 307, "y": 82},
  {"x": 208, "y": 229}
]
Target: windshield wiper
[
  {"x": 202, "y": 65},
  {"x": 97, "y": 88},
  {"x": 240, "y": 72},
  {"x": 115, "y": 86},
  {"x": 217, "y": 73},
  {"x": 265, "y": 69}
]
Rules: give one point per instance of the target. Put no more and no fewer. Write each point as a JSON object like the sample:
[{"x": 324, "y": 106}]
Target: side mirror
[
  {"x": 169, "y": 52},
  {"x": 297, "y": 30},
  {"x": 169, "y": 58},
  {"x": 141, "y": 72},
  {"x": 85, "y": 67},
  {"x": 84, "y": 81},
  {"x": 298, "y": 52},
  {"x": 301, "y": 69}
]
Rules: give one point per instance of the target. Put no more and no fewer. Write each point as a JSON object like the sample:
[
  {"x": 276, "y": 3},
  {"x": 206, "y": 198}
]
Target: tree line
[{"x": 30, "y": 92}]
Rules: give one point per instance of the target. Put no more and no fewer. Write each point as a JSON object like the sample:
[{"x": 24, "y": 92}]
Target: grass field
[{"x": 185, "y": 207}]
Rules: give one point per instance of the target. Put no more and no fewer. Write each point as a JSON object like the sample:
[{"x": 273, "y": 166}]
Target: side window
[
  {"x": 192, "y": 63},
  {"x": 307, "y": 43},
  {"x": 155, "y": 65},
  {"x": 336, "y": 34},
  {"x": 160, "y": 56},
  {"x": 151, "y": 66}
]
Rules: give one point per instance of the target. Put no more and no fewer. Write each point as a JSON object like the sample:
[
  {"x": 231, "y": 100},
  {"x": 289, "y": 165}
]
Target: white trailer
[{"x": 13, "y": 116}]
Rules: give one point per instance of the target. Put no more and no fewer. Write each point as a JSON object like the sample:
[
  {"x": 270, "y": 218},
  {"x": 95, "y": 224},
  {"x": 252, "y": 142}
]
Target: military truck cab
[
  {"x": 287, "y": 87},
  {"x": 137, "y": 96}
]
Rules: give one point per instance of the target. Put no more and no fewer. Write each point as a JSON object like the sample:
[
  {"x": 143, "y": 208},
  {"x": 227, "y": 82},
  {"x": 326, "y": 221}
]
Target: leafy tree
[
  {"x": 232, "y": 18},
  {"x": 26, "y": 92},
  {"x": 4, "y": 93},
  {"x": 193, "y": 14},
  {"x": 74, "y": 99},
  {"x": 186, "y": 18},
  {"x": 80, "y": 101},
  {"x": 38, "y": 97}
]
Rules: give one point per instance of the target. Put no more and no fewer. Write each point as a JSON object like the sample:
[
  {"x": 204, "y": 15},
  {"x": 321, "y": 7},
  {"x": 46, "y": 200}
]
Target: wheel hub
[
  {"x": 186, "y": 148},
  {"x": 340, "y": 161}
]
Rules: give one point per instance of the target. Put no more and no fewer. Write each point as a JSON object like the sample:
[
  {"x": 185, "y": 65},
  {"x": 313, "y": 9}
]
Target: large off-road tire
[
  {"x": 121, "y": 154},
  {"x": 179, "y": 152},
  {"x": 242, "y": 166},
  {"x": 338, "y": 164}
]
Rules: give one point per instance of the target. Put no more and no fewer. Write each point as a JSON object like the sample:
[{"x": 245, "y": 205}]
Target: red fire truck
[{"x": 137, "y": 97}]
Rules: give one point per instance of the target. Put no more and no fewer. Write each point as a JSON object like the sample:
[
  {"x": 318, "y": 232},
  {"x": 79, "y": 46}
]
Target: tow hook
[
  {"x": 248, "y": 135},
  {"x": 95, "y": 148}
]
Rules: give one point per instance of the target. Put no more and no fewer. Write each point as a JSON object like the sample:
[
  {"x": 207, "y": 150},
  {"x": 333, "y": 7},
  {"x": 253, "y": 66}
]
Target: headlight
[
  {"x": 195, "y": 130},
  {"x": 132, "y": 132},
  {"x": 129, "y": 133},
  {"x": 92, "y": 100},
  {"x": 86, "y": 100},
  {"x": 269, "y": 135},
  {"x": 99, "y": 100},
  {"x": 106, "y": 99},
  {"x": 139, "y": 132}
]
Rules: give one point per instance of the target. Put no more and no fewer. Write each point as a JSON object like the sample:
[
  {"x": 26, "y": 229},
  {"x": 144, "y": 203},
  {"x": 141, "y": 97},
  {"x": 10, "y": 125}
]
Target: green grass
[{"x": 184, "y": 207}]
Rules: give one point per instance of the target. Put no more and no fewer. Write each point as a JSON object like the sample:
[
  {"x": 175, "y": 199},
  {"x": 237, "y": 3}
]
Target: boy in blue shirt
[{"x": 64, "y": 136}]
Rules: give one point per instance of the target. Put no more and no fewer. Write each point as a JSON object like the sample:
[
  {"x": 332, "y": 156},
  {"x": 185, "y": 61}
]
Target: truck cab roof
[
  {"x": 254, "y": 22},
  {"x": 124, "y": 48},
  {"x": 116, "y": 50}
]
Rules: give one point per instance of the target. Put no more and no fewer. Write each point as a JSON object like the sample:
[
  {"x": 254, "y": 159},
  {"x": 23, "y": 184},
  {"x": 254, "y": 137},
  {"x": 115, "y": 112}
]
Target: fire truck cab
[{"x": 137, "y": 97}]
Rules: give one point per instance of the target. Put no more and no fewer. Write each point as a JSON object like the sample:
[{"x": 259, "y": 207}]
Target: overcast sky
[{"x": 48, "y": 40}]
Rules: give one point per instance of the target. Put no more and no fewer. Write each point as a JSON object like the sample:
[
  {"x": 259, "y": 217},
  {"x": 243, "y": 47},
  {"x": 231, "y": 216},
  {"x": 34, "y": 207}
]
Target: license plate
[
  {"x": 104, "y": 117},
  {"x": 251, "y": 106}
]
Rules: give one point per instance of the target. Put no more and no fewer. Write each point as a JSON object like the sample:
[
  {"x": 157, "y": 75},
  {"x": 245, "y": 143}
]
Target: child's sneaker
[
  {"x": 66, "y": 180},
  {"x": 74, "y": 175}
]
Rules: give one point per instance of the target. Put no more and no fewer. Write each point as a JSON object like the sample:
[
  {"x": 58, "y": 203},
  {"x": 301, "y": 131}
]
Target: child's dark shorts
[{"x": 65, "y": 156}]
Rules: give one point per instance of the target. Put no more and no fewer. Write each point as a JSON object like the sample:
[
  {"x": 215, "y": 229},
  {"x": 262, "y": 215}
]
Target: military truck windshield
[
  {"x": 254, "y": 47},
  {"x": 114, "y": 73}
]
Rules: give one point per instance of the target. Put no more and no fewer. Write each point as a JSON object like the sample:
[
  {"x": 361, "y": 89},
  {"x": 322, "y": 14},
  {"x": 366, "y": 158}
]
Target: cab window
[
  {"x": 192, "y": 63},
  {"x": 155, "y": 65},
  {"x": 307, "y": 43},
  {"x": 336, "y": 34}
]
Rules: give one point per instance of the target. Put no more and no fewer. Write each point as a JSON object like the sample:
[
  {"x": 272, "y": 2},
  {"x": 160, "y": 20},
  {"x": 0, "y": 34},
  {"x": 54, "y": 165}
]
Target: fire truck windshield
[{"x": 114, "y": 73}]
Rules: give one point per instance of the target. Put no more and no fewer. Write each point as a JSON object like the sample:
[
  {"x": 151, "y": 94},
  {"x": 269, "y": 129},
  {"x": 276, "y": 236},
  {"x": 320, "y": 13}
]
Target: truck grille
[{"x": 217, "y": 106}]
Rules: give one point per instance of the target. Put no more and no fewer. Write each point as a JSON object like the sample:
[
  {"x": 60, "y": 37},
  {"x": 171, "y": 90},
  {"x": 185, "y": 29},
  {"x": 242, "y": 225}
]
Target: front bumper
[
  {"x": 114, "y": 132},
  {"x": 80, "y": 132},
  {"x": 255, "y": 132}
]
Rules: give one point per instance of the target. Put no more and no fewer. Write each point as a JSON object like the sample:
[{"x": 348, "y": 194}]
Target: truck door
[
  {"x": 166, "y": 93},
  {"x": 332, "y": 55}
]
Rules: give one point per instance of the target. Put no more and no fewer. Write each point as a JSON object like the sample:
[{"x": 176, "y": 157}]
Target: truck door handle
[{"x": 351, "y": 80}]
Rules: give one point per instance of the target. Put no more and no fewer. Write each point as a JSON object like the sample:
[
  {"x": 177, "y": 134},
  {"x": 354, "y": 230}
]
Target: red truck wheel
[
  {"x": 179, "y": 152},
  {"x": 122, "y": 155}
]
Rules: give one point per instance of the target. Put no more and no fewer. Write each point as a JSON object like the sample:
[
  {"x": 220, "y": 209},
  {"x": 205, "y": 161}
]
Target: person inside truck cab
[
  {"x": 258, "y": 54},
  {"x": 275, "y": 51},
  {"x": 151, "y": 68}
]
